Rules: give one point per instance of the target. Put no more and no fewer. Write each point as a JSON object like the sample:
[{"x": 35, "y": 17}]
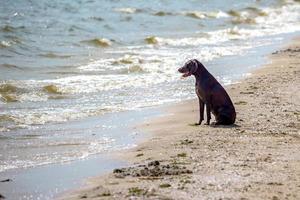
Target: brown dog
[{"x": 210, "y": 93}]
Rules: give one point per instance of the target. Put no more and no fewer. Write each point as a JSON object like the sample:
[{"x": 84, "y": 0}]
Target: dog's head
[{"x": 189, "y": 68}]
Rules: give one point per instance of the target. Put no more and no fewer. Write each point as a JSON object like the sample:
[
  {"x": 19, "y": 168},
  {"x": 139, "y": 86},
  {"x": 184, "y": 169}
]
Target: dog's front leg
[
  {"x": 207, "y": 113},
  {"x": 201, "y": 111}
]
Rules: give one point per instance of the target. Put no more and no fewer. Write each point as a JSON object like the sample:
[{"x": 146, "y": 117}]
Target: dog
[{"x": 210, "y": 94}]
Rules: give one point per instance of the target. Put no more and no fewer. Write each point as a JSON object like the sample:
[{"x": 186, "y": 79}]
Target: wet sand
[{"x": 257, "y": 158}]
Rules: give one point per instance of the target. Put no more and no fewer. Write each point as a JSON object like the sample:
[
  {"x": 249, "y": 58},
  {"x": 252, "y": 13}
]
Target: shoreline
[{"x": 257, "y": 158}]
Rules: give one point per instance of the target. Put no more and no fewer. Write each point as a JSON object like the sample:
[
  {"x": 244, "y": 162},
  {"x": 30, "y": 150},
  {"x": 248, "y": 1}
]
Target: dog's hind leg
[{"x": 224, "y": 120}]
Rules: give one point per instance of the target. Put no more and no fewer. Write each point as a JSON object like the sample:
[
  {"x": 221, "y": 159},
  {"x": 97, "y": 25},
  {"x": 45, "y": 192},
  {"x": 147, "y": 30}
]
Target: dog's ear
[{"x": 193, "y": 66}]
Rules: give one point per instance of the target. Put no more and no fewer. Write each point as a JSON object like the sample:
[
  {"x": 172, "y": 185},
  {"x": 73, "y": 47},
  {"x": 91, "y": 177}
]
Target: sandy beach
[{"x": 257, "y": 158}]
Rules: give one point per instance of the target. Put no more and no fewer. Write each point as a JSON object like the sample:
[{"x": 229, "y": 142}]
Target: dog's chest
[{"x": 200, "y": 92}]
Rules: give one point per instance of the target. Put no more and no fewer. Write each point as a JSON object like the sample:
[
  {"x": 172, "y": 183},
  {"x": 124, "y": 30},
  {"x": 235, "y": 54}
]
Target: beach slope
[{"x": 257, "y": 158}]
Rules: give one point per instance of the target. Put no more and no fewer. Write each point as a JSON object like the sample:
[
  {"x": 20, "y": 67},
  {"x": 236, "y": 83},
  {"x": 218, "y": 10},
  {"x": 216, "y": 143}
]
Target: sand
[{"x": 257, "y": 158}]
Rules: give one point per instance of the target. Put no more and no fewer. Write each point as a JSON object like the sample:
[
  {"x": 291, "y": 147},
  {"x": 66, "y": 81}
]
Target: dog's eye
[{"x": 189, "y": 66}]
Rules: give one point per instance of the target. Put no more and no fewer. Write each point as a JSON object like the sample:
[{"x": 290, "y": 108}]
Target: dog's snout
[{"x": 180, "y": 70}]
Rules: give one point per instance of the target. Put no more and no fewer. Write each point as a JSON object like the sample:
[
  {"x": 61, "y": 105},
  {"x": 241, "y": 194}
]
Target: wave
[
  {"x": 9, "y": 66},
  {"x": 8, "y": 98},
  {"x": 38, "y": 116},
  {"x": 12, "y": 40},
  {"x": 127, "y": 59},
  {"x": 123, "y": 65},
  {"x": 98, "y": 42},
  {"x": 195, "y": 14},
  {"x": 163, "y": 13},
  {"x": 6, "y": 118},
  {"x": 151, "y": 40},
  {"x": 257, "y": 11},
  {"x": 286, "y": 15},
  {"x": 247, "y": 15},
  {"x": 8, "y": 28},
  {"x": 243, "y": 20},
  {"x": 5, "y": 44},
  {"x": 213, "y": 37},
  {"x": 60, "y": 151},
  {"x": 8, "y": 93},
  {"x": 133, "y": 69},
  {"x": 128, "y": 10},
  {"x": 275, "y": 21},
  {"x": 8, "y": 88},
  {"x": 192, "y": 14},
  {"x": 248, "y": 12},
  {"x": 31, "y": 91},
  {"x": 234, "y": 13},
  {"x": 52, "y": 89},
  {"x": 57, "y": 97},
  {"x": 53, "y": 55},
  {"x": 124, "y": 60},
  {"x": 203, "y": 15},
  {"x": 5, "y": 121}
]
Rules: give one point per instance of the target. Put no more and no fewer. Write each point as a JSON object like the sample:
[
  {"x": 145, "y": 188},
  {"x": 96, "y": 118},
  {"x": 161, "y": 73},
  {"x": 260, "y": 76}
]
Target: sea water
[{"x": 65, "y": 62}]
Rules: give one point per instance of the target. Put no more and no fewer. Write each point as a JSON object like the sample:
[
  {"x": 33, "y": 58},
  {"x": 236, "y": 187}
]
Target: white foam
[
  {"x": 205, "y": 14},
  {"x": 5, "y": 44},
  {"x": 126, "y": 10},
  {"x": 32, "y": 96},
  {"x": 277, "y": 21},
  {"x": 82, "y": 151}
]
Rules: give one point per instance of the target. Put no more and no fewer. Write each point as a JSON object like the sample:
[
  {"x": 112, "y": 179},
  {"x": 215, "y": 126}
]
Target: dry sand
[{"x": 258, "y": 158}]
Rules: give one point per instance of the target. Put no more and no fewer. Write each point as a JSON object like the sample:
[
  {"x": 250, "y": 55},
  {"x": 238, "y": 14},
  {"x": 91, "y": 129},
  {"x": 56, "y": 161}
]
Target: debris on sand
[{"x": 152, "y": 169}]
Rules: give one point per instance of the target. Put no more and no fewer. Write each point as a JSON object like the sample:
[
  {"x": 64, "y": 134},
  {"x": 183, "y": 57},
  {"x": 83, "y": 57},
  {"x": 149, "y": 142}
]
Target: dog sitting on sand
[{"x": 210, "y": 94}]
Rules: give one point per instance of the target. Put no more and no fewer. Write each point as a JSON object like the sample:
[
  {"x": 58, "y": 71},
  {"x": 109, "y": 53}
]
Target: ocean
[{"x": 65, "y": 64}]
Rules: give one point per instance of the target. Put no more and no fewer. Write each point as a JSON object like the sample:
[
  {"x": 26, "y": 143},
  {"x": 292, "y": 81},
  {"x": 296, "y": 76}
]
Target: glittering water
[{"x": 62, "y": 61}]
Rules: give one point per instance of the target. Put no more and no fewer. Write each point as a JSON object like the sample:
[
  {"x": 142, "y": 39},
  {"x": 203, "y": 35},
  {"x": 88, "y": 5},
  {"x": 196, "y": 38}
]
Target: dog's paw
[{"x": 215, "y": 123}]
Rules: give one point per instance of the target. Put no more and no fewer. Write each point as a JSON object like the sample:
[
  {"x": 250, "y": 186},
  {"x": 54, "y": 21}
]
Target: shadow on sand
[{"x": 216, "y": 126}]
